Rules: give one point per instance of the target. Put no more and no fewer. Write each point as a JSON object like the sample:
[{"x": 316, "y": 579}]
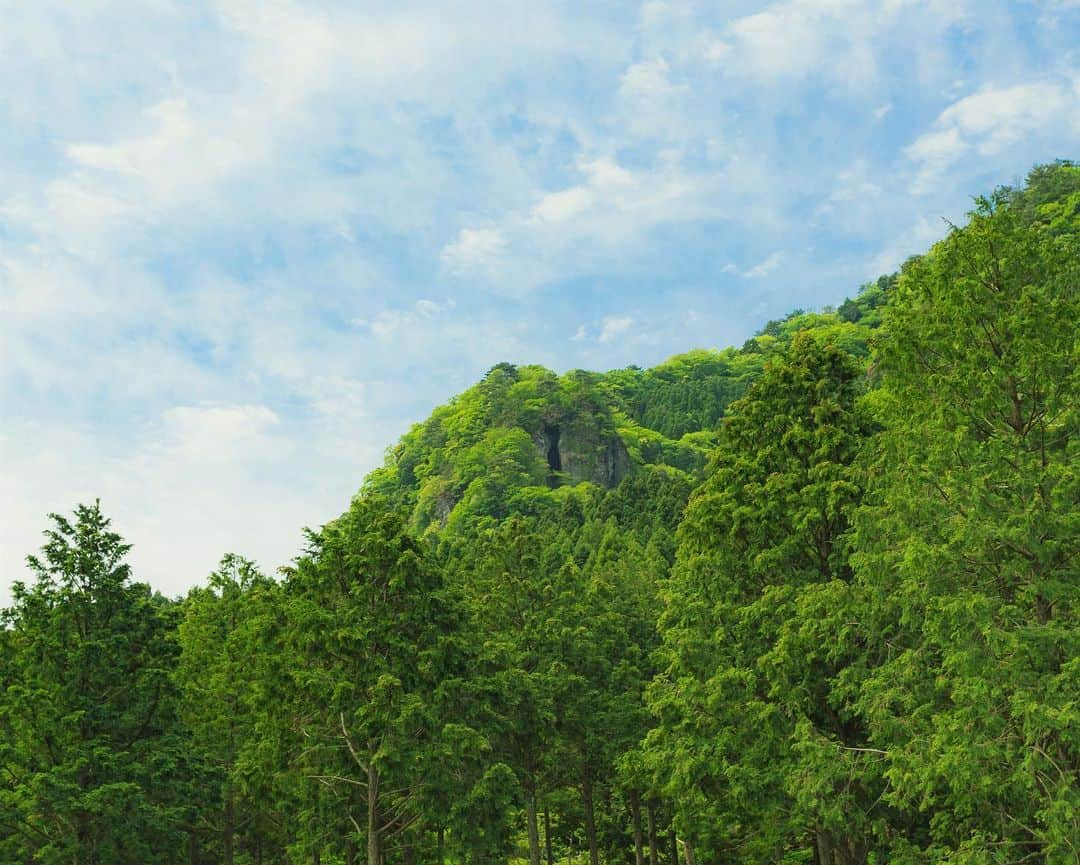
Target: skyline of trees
[{"x": 811, "y": 600}]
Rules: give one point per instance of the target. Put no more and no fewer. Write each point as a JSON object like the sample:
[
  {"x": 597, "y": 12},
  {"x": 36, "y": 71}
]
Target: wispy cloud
[
  {"x": 613, "y": 326},
  {"x": 230, "y": 232},
  {"x": 474, "y": 248},
  {"x": 764, "y": 268},
  {"x": 991, "y": 121},
  {"x": 389, "y": 323}
]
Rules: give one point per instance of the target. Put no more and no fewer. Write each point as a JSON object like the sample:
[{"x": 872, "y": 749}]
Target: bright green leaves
[
  {"x": 218, "y": 676},
  {"x": 866, "y": 650},
  {"x": 364, "y": 617},
  {"x": 907, "y": 686},
  {"x": 87, "y": 712},
  {"x": 508, "y": 445},
  {"x": 968, "y": 543},
  {"x": 750, "y": 718}
]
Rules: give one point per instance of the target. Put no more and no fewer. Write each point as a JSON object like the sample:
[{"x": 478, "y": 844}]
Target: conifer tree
[
  {"x": 968, "y": 544},
  {"x": 94, "y": 767},
  {"x": 748, "y": 706}
]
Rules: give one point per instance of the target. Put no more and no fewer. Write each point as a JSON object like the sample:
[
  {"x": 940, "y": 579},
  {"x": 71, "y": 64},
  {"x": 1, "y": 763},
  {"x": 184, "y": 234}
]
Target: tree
[
  {"x": 364, "y": 619},
  {"x": 215, "y": 678},
  {"x": 91, "y": 753},
  {"x": 513, "y": 613},
  {"x": 967, "y": 557},
  {"x": 749, "y": 709}
]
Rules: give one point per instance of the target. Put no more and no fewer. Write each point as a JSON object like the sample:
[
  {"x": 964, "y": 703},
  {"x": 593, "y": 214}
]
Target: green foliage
[
  {"x": 687, "y": 393},
  {"x": 508, "y": 445},
  {"x": 93, "y": 762},
  {"x": 363, "y": 621},
  {"x": 217, "y": 706},
  {"x": 811, "y": 600},
  {"x": 748, "y": 709},
  {"x": 968, "y": 545},
  {"x": 491, "y": 451}
]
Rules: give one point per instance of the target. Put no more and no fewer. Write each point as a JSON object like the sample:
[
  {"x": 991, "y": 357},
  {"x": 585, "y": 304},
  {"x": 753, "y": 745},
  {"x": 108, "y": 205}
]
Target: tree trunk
[
  {"x": 674, "y": 845},
  {"x": 228, "y": 829},
  {"x": 590, "y": 819},
  {"x": 547, "y": 836},
  {"x": 856, "y": 851},
  {"x": 82, "y": 819},
  {"x": 825, "y": 849},
  {"x": 654, "y": 849},
  {"x": 688, "y": 852},
  {"x": 530, "y": 819},
  {"x": 440, "y": 846},
  {"x": 374, "y": 848},
  {"x": 635, "y": 818},
  {"x": 839, "y": 851},
  {"x": 350, "y": 851},
  {"x": 193, "y": 848},
  {"x": 409, "y": 854}
]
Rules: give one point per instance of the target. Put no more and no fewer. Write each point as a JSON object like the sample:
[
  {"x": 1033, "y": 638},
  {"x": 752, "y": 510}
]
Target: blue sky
[{"x": 245, "y": 243}]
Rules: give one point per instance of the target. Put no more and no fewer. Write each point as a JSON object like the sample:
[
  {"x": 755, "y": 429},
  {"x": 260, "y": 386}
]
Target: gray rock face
[
  {"x": 444, "y": 503},
  {"x": 582, "y": 455}
]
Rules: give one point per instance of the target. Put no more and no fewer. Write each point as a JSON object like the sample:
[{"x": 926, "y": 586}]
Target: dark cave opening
[{"x": 554, "y": 459}]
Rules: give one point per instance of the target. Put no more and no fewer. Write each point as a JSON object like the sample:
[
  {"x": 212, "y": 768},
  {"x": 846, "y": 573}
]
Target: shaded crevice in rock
[
  {"x": 574, "y": 455},
  {"x": 554, "y": 458}
]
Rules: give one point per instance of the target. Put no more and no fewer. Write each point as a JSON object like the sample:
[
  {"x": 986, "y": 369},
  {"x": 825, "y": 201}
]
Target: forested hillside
[
  {"x": 524, "y": 440},
  {"x": 810, "y": 600}
]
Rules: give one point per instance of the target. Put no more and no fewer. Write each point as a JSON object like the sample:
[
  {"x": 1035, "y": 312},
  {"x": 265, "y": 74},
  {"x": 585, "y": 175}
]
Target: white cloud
[
  {"x": 579, "y": 334},
  {"x": 614, "y": 325},
  {"x": 429, "y": 308},
  {"x": 995, "y": 117},
  {"x": 600, "y": 218},
  {"x": 176, "y": 158},
  {"x": 797, "y": 38},
  {"x": 604, "y": 179},
  {"x": 781, "y": 41},
  {"x": 717, "y": 50},
  {"x": 339, "y": 399},
  {"x": 561, "y": 206},
  {"x": 843, "y": 42},
  {"x": 765, "y": 267},
  {"x": 474, "y": 248},
  {"x": 855, "y": 183},
  {"x": 989, "y": 122},
  {"x": 214, "y": 432},
  {"x": 913, "y": 240},
  {"x": 649, "y": 79},
  {"x": 388, "y": 324},
  {"x": 194, "y": 483},
  {"x": 605, "y": 172},
  {"x": 854, "y": 202},
  {"x": 938, "y": 147}
]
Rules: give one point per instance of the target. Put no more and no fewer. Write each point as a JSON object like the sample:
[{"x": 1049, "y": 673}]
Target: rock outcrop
[{"x": 576, "y": 453}]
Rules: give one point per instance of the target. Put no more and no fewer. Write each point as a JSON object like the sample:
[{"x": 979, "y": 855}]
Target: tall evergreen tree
[
  {"x": 969, "y": 541},
  {"x": 215, "y": 678},
  {"x": 748, "y": 705},
  {"x": 92, "y": 760},
  {"x": 364, "y": 618}
]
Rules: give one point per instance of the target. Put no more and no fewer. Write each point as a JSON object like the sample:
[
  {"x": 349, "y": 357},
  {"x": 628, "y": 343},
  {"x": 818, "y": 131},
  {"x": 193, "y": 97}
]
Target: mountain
[{"x": 524, "y": 439}]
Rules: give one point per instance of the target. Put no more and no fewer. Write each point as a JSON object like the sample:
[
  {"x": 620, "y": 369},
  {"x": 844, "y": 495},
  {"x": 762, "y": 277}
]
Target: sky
[{"x": 244, "y": 244}]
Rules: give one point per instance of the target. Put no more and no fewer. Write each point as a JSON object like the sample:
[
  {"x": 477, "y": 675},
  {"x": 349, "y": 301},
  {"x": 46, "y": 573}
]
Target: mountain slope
[{"x": 524, "y": 439}]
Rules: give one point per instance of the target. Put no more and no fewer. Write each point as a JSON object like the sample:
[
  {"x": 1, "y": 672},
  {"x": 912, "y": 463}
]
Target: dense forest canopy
[{"x": 810, "y": 600}]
